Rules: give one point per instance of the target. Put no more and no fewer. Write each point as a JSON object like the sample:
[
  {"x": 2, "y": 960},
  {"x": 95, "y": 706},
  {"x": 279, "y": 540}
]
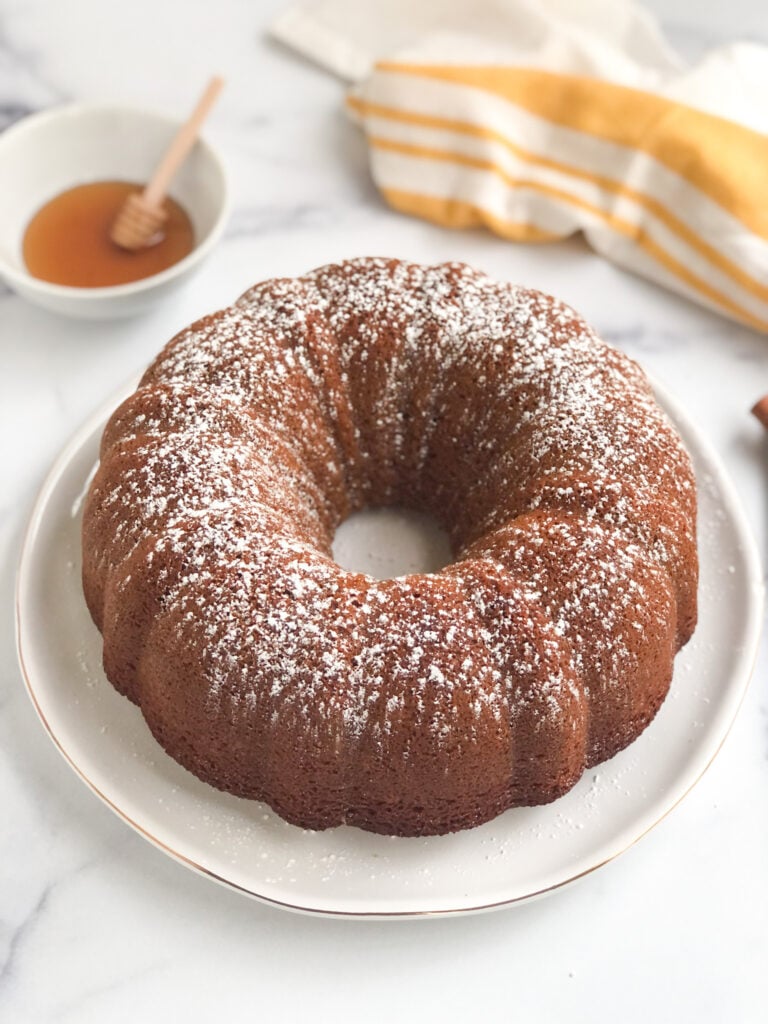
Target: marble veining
[{"x": 95, "y": 925}]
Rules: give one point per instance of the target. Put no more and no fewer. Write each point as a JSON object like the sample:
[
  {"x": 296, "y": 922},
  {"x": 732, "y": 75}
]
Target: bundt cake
[{"x": 422, "y": 704}]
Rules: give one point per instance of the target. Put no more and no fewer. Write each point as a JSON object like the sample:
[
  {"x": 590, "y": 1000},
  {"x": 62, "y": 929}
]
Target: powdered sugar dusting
[{"x": 567, "y": 495}]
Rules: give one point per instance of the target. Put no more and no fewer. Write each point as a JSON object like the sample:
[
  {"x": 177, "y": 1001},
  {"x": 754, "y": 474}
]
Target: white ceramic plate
[{"x": 523, "y": 853}]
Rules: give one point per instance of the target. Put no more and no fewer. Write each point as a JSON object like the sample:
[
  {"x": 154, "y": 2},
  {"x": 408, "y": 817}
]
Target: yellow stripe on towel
[
  {"x": 654, "y": 206},
  {"x": 455, "y": 213},
  {"x": 668, "y": 131},
  {"x": 618, "y": 224}
]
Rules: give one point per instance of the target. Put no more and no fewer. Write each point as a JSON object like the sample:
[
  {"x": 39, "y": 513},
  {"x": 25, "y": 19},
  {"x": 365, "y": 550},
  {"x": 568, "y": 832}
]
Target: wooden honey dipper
[{"x": 142, "y": 215}]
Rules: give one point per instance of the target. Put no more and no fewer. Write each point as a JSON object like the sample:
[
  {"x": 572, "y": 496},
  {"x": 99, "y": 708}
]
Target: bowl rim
[{"x": 24, "y": 279}]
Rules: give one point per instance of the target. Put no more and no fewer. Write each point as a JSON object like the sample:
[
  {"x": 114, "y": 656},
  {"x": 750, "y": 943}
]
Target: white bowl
[{"x": 49, "y": 152}]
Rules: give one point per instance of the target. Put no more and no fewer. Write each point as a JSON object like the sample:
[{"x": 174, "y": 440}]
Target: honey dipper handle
[{"x": 155, "y": 191}]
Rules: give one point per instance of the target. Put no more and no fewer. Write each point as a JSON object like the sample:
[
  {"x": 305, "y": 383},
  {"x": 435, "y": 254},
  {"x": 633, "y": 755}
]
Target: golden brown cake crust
[{"x": 423, "y": 704}]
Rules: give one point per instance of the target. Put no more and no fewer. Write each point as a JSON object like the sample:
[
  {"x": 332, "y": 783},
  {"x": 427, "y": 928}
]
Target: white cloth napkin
[{"x": 540, "y": 118}]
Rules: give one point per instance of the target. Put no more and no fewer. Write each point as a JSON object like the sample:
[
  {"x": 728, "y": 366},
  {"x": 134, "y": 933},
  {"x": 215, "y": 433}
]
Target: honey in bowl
[{"x": 67, "y": 241}]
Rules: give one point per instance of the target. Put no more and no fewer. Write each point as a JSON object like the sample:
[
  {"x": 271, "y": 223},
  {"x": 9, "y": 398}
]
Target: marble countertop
[{"x": 95, "y": 924}]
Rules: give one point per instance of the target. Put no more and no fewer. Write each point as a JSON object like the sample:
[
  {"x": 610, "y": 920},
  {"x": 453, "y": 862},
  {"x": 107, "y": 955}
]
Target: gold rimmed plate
[{"x": 242, "y": 844}]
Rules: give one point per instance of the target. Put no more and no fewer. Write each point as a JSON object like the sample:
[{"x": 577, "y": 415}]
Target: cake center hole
[{"x": 389, "y": 542}]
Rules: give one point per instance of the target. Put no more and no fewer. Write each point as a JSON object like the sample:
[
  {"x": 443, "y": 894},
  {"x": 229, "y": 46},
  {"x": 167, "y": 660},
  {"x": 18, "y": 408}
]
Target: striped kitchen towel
[{"x": 540, "y": 118}]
